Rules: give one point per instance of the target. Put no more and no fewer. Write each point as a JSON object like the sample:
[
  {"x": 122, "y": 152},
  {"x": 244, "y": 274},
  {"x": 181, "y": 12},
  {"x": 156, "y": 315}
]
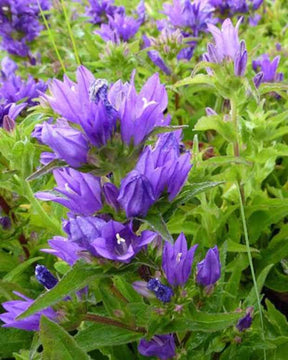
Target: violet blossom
[
  {"x": 14, "y": 308},
  {"x": 79, "y": 192},
  {"x": 160, "y": 346},
  {"x": 177, "y": 261},
  {"x": 209, "y": 269},
  {"x": 268, "y": 70}
]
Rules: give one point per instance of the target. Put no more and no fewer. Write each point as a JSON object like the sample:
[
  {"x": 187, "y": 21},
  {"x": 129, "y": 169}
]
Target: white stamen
[
  {"x": 120, "y": 239},
  {"x": 178, "y": 258},
  {"x": 147, "y": 103},
  {"x": 67, "y": 188}
]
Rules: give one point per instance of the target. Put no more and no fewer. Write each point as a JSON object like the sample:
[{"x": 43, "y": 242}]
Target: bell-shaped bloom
[
  {"x": 79, "y": 192},
  {"x": 161, "y": 346},
  {"x": 14, "y": 308},
  {"x": 189, "y": 14},
  {"x": 64, "y": 249},
  {"x": 162, "y": 292},
  {"x": 140, "y": 113},
  {"x": 245, "y": 322},
  {"x": 45, "y": 277},
  {"x": 268, "y": 70},
  {"x": 177, "y": 261},
  {"x": 227, "y": 46},
  {"x": 111, "y": 193},
  {"x": 84, "y": 230},
  {"x": 14, "y": 89},
  {"x": 100, "y": 9},
  {"x": 118, "y": 242},
  {"x": 164, "y": 166},
  {"x": 119, "y": 28},
  {"x": 10, "y": 110},
  {"x": 67, "y": 143},
  {"x": 209, "y": 269},
  {"x": 136, "y": 194}
]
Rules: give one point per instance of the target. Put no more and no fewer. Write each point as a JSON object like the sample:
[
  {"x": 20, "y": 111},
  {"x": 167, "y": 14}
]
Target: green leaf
[
  {"x": 215, "y": 122},
  {"x": 201, "y": 321},
  {"x": 18, "y": 270},
  {"x": 156, "y": 221},
  {"x": 251, "y": 299},
  {"x": 188, "y": 193},
  {"x": 99, "y": 335},
  {"x": 77, "y": 278},
  {"x": 12, "y": 340},
  {"x": 199, "y": 79},
  {"x": 54, "y": 164},
  {"x": 235, "y": 247},
  {"x": 58, "y": 344}
]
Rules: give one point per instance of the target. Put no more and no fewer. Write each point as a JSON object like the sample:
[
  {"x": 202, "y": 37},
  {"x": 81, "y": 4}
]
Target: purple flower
[
  {"x": 10, "y": 110},
  {"x": 14, "y": 89},
  {"x": 209, "y": 269},
  {"x": 45, "y": 277},
  {"x": 79, "y": 192},
  {"x": 68, "y": 143},
  {"x": 227, "y": 46},
  {"x": 111, "y": 193},
  {"x": 15, "y": 308},
  {"x": 136, "y": 194},
  {"x": 66, "y": 250},
  {"x": 5, "y": 222},
  {"x": 118, "y": 242},
  {"x": 162, "y": 292},
  {"x": 141, "y": 113},
  {"x": 245, "y": 322},
  {"x": 20, "y": 24},
  {"x": 160, "y": 346},
  {"x": 164, "y": 166},
  {"x": 8, "y": 67},
  {"x": 84, "y": 230},
  {"x": 186, "y": 14},
  {"x": 156, "y": 58},
  {"x": 267, "y": 68},
  {"x": 177, "y": 261},
  {"x": 99, "y": 10},
  {"x": 119, "y": 28}
]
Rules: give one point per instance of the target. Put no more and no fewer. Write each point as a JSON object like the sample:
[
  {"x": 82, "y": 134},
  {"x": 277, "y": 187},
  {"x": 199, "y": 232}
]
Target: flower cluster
[
  {"x": 116, "y": 26},
  {"x": 20, "y": 24},
  {"x": 227, "y": 47},
  {"x": 268, "y": 70},
  {"x": 231, "y": 7}
]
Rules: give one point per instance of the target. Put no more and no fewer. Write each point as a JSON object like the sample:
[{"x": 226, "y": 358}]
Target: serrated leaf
[
  {"x": 58, "y": 344},
  {"x": 18, "y": 270},
  {"x": 12, "y": 340}
]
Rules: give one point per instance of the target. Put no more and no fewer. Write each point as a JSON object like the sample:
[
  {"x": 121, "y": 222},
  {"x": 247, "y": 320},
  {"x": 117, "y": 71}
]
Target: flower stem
[
  {"x": 77, "y": 58},
  {"x": 251, "y": 262},
  {"x": 108, "y": 321},
  {"x": 51, "y": 37}
]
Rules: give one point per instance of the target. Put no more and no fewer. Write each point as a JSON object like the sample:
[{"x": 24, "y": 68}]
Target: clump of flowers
[{"x": 20, "y": 24}]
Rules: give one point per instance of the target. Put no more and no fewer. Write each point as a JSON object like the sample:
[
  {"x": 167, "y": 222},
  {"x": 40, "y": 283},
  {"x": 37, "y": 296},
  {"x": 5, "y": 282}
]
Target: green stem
[
  {"x": 51, "y": 37},
  {"x": 41, "y": 212},
  {"x": 104, "y": 320},
  {"x": 77, "y": 58},
  {"x": 251, "y": 263}
]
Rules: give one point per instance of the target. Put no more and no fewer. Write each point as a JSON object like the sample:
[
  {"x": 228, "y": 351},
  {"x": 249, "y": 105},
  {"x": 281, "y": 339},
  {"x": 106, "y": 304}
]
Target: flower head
[
  {"x": 245, "y": 322},
  {"x": 209, "y": 269},
  {"x": 162, "y": 292},
  {"x": 79, "y": 192},
  {"x": 268, "y": 69},
  {"x": 177, "y": 261},
  {"x": 160, "y": 346},
  {"x": 14, "y": 308}
]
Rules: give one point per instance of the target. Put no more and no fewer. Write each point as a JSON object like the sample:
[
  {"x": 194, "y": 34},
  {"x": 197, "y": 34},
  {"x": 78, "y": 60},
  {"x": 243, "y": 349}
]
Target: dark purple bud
[
  {"x": 44, "y": 277},
  {"x": 111, "y": 193},
  {"x": 245, "y": 322},
  {"x": 136, "y": 194},
  {"x": 5, "y": 222},
  {"x": 241, "y": 60},
  {"x": 8, "y": 123},
  {"x": 162, "y": 292},
  {"x": 158, "y": 61},
  {"x": 209, "y": 269},
  {"x": 160, "y": 346},
  {"x": 210, "y": 112},
  {"x": 258, "y": 79}
]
